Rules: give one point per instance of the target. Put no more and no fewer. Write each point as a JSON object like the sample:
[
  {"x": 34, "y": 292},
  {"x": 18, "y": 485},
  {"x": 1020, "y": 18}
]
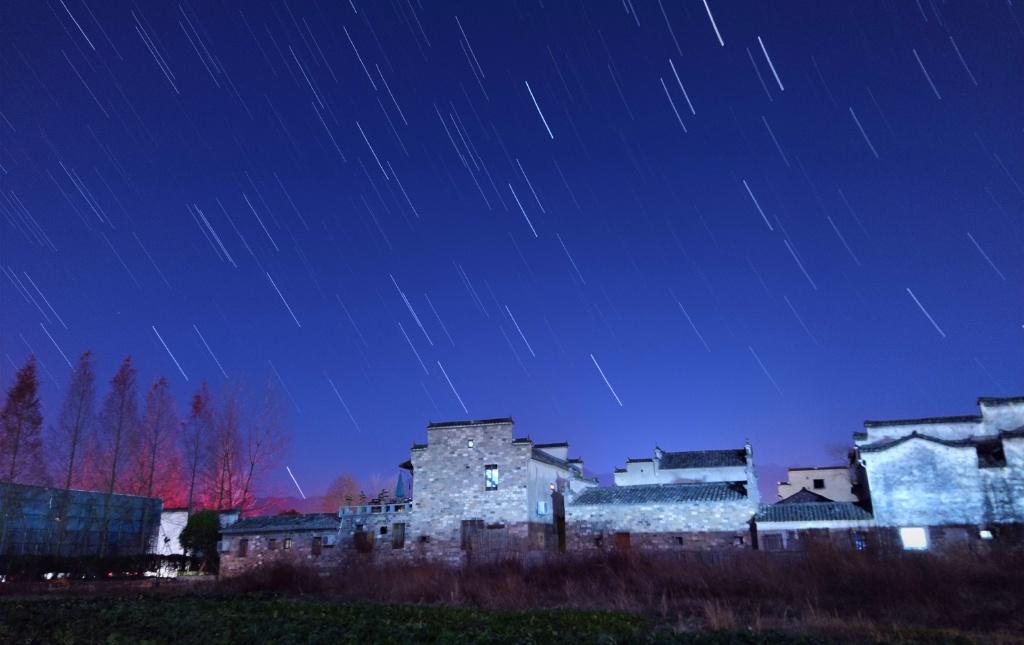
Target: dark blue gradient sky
[{"x": 201, "y": 168}]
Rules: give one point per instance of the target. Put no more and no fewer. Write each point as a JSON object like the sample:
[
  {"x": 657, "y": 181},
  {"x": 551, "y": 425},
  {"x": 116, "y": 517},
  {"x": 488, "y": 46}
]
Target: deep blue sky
[{"x": 124, "y": 125}]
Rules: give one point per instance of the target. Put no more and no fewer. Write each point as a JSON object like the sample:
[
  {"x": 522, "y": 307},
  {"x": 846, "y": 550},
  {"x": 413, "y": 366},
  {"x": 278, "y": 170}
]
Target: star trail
[{"x": 767, "y": 221}]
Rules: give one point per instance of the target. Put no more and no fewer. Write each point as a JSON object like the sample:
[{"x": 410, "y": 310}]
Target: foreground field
[
  {"x": 749, "y": 598},
  {"x": 261, "y": 619}
]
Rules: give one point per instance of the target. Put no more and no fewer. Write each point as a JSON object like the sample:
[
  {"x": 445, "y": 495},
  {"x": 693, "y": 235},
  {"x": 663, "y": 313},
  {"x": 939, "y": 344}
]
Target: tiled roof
[
  {"x": 470, "y": 422},
  {"x": 999, "y": 400},
  {"x": 703, "y": 459},
  {"x": 663, "y": 494},
  {"x": 953, "y": 443},
  {"x": 561, "y": 444},
  {"x": 840, "y": 467},
  {"x": 638, "y": 460},
  {"x": 543, "y": 457},
  {"x": 804, "y": 496},
  {"x": 419, "y": 446},
  {"x": 925, "y": 421},
  {"x": 811, "y": 512},
  {"x": 279, "y": 523}
]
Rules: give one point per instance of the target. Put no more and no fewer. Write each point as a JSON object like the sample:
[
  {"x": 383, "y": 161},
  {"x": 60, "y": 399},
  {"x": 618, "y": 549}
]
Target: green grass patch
[{"x": 255, "y": 619}]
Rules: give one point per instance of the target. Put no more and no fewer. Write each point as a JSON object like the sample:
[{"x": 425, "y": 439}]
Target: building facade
[
  {"x": 947, "y": 481},
  {"x": 36, "y": 520},
  {"x": 832, "y": 482},
  {"x": 481, "y": 493}
]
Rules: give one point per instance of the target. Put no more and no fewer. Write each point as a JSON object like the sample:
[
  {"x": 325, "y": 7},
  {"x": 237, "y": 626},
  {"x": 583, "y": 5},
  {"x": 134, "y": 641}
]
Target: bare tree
[
  {"x": 74, "y": 428},
  {"x": 21, "y": 421},
  {"x": 266, "y": 438},
  {"x": 381, "y": 487},
  {"x": 118, "y": 425},
  {"x": 20, "y": 442},
  {"x": 193, "y": 441},
  {"x": 343, "y": 491},
  {"x": 75, "y": 424},
  {"x": 224, "y": 456},
  {"x": 156, "y": 435}
]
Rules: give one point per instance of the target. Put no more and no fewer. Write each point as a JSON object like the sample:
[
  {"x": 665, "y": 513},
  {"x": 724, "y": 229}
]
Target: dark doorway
[
  {"x": 558, "y": 512},
  {"x": 622, "y": 542}
]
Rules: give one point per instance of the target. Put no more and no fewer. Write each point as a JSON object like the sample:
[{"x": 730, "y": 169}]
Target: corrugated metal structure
[{"x": 36, "y": 520}]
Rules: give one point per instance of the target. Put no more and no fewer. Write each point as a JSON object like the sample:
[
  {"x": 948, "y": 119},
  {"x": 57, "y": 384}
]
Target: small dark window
[
  {"x": 398, "y": 536},
  {"x": 383, "y": 530},
  {"x": 679, "y": 540},
  {"x": 771, "y": 542},
  {"x": 991, "y": 455},
  {"x": 272, "y": 544},
  {"x": 318, "y": 545},
  {"x": 819, "y": 484},
  {"x": 287, "y": 543},
  {"x": 599, "y": 541},
  {"x": 243, "y": 548},
  {"x": 860, "y": 541},
  {"x": 491, "y": 477}
]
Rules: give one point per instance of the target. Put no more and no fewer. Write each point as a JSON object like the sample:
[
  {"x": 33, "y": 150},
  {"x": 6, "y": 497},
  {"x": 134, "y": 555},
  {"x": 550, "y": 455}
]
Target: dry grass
[{"x": 841, "y": 595}]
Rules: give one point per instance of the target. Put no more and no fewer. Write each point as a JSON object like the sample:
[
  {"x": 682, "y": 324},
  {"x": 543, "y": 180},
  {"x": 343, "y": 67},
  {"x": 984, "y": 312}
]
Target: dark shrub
[
  {"x": 279, "y": 577},
  {"x": 199, "y": 538}
]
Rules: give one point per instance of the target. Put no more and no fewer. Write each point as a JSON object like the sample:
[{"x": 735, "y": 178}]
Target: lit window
[
  {"x": 491, "y": 477},
  {"x": 985, "y": 534},
  {"x": 860, "y": 541},
  {"x": 914, "y": 538},
  {"x": 819, "y": 484},
  {"x": 287, "y": 543},
  {"x": 542, "y": 508},
  {"x": 469, "y": 443}
]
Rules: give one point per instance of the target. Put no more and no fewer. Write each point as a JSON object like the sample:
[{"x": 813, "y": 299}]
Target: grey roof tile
[
  {"x": 663, "y": 494},
  {"x": 543, "y": 457},
  {"x": 470, "y": 422},
  {"x": 703, "y": 459},
  {"x": 811, "y": 512},
  {"x": 285, "y": 523},
  {"x": 804, "y": 496}
]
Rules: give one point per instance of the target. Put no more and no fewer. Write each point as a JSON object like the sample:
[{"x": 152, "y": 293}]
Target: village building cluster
[{"x": 481, "y": 493}]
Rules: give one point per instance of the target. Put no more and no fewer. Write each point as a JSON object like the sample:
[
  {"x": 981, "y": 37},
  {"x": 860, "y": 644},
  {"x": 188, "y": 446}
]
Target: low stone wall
[{"x": 584, "y": 539}]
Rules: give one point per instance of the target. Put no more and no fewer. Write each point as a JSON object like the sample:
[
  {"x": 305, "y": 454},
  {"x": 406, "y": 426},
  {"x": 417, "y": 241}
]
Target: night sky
[{"x": 620, "y": 222}]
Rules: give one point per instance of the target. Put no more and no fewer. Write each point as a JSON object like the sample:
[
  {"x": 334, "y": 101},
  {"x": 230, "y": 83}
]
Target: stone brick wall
[
  {"x": 259, "y": 551},
  {"x": 449, "y": 485},
  {"x": 697, "y": 525},
  {"x": 585, "y": 539}
]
